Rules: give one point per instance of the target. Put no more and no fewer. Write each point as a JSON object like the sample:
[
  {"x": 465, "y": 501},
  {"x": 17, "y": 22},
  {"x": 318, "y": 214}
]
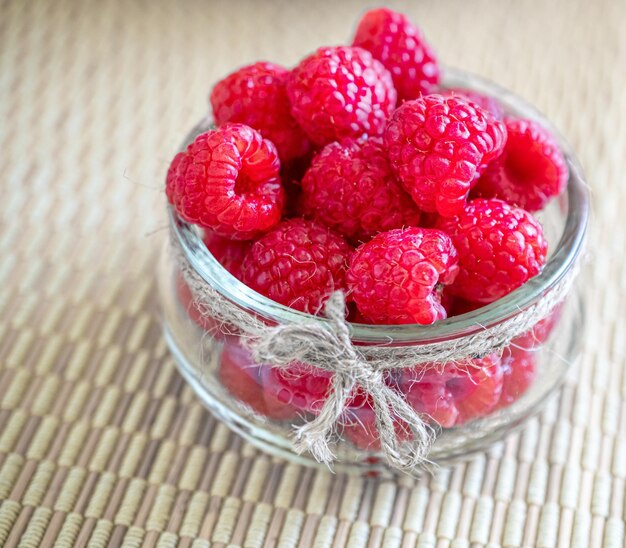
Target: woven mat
[{"x": 102, "y": 443}]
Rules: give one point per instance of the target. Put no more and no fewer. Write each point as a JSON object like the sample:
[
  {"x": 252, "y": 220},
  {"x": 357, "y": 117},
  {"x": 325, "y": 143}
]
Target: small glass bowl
[{"x": 242, "y": 394}]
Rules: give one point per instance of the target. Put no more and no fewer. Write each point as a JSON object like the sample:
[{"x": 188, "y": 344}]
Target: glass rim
[{"x": 559, "y": 264}]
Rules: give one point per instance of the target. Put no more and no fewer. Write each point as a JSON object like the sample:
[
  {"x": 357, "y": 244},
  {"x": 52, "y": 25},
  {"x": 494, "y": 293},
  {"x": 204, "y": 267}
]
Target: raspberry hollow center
[{"x": 244, "y": 185}]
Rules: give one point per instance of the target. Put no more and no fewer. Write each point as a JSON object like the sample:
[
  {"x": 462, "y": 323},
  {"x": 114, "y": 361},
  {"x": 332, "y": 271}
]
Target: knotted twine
[{"x": 328, "y": 345}]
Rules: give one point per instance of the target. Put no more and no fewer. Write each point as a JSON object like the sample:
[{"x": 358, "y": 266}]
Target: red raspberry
[
  {"x": 299, "y": 264},
  {"x": 340, "y": 92},
  {"x": 500, "y": 248},
  {"x": 394, "y": 277},
  {"x": 399, "y": 45},
  {"x": 447, "y": 301},
  {"x": 187, "y": 302},
  {"x": 454, "y": 393},
  {"x": 299, "y": 389},
  {"x": 290, "y": 392},
  {"x": 229, "y": 253},
  {"x": 477, "y": 392},
  {"x": 540, "y": 332},
  {"x": 520, "y": 369},
  {"x": 486, "y": 102},
  {"x": 531, "y": 170},
  {"x": 350, "y": 187},
  {"x": 256, "y": 95},
  {"x": 242, "y": 377},
  {"x": 360, "y": 429},
  {"x": 227, "y": 181},
  {"x": 428, "y": 393},
  {"x": 438, "y": 146}
]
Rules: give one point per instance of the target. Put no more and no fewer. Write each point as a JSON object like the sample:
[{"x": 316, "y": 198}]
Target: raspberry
[
  {"x": 531, "y": 170},
  {"x": 477, "y": 392},
  {"x": 394, "y": 277},
  {"x": 399, "y": 45},
  {"x": 340, "y": 92},
  {"x": 500, "y": 248},
  {"x": 486, "y": 102},
  {"x": 299, "y": 388},
  {"x": 438, "y": 146},
  {"x": 256, "y": 95},
  {"x": 429, "y": 394},
  {"x": 350, "y": 188},
  {"x": 299, "y": 264},
  {"x": 187, "y": 302},
  {"x": 360, "y": 427},
  {"x": 540, "y": 332},
  {"x": 519, "y": 369},
  {"x": 229, "y": 253},
  {"x": 227, "y": 181},
  {"x": 454, "y": 393},
  {"x": 290, "y": 392},
  {"x": 242, "y": 377}
]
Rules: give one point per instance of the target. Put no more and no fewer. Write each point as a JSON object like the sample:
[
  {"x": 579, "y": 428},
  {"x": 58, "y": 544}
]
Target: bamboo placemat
[{"x": 101, "y": 442}]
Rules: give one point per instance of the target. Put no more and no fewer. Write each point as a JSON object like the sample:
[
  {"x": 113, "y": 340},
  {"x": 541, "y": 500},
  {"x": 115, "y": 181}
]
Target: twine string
[{"x": 330, "y": 348}]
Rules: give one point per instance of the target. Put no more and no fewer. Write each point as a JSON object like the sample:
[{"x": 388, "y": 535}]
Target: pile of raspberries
[{"x": 356, "y": 171}]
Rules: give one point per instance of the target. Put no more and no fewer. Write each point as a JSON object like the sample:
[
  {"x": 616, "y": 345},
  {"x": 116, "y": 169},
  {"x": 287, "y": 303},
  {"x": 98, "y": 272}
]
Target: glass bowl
[{"x": 251, "y": 400}]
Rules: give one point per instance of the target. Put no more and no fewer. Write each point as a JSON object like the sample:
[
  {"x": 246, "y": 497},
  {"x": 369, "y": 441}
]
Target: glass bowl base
[{"x": 452, "y": 445}]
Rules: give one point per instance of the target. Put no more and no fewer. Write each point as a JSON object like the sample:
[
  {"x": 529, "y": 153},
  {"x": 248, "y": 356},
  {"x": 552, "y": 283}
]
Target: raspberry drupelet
[
  {"x": 256, "y": 95},
  {"x": 298, "y": 264},
  {"x": 531, "y": 170},
  {"x": 438, "y": 146},
  {"x": 395, "y": 277},
  {"x": 400, "y": 46},
  {"x": 350, "y": 187},
  {"x": 340, "y": 92},
  {"x": 228, "y": 181},
  {"x": 500, "y": 248}
]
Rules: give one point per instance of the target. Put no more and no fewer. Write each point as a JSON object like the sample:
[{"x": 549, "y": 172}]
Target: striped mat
[{"x": 103, "y": 444}]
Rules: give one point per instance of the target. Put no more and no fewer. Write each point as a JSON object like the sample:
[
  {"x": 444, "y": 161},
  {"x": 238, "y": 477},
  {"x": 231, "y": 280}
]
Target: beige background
[{"x": 100, "y": 440}]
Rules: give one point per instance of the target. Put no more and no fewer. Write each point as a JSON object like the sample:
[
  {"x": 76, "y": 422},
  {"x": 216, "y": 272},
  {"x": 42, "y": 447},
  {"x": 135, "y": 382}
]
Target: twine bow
[{"x": 330, "y": 347}]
